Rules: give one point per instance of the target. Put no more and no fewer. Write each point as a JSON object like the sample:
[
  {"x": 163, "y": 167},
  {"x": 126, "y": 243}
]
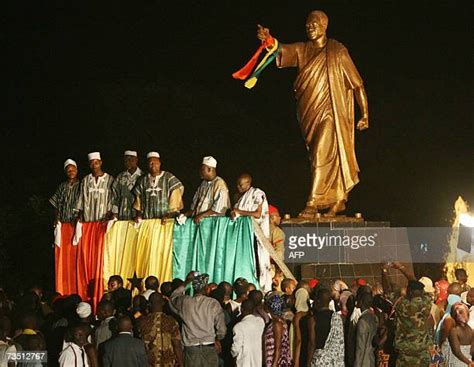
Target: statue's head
[{"x": 316, "y": 24}]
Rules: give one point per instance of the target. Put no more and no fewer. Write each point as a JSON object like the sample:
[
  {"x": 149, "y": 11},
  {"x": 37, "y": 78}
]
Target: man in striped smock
[
  {"x": 64, "y": 202},
  {"x": 212, "y": 195},
  {"x": 159, "y": 193},
  {"x": 122, "y": 196},
  {"x": 94, "y": 206}
]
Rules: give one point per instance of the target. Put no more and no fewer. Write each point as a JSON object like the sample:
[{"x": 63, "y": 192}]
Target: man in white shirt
[
  {"x": 74, "y": 354},
  {"x": 247, "y": 344}
]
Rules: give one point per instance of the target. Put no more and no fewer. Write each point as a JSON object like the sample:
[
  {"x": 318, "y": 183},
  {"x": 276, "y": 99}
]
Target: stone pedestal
[{"x": 349, "y": 272}]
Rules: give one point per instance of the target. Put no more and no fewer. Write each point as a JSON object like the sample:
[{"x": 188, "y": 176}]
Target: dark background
[{"x": 156, "y": 75}]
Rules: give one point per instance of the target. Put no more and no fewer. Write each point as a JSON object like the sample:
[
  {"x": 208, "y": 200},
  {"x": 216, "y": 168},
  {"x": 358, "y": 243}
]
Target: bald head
[
  {"x": 156, "y": 302},
  {"x": 318, "y": 17},
  {"x": 455, "y": 288},
  {"x": 125, "y": 324},
  {"x": 244, "y": 183}
]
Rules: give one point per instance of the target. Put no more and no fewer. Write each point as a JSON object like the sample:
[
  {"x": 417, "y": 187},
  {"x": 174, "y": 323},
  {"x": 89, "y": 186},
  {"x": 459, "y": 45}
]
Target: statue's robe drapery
[{"x": 325, "y": 109}]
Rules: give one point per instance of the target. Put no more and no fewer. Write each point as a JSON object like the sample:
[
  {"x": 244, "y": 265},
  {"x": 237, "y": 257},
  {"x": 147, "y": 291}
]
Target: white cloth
[
  {"x": 153, "y": 155},
  {"x": 148, "y": 293},
  {"x": 235, "y": 306},
  {"x": 68, "y": 162},
  {"x": 247, "y": 342},
  {"x": 131, "y": 153},
  {"x": 77, "y": 234},
  {"x": 209, "y": 161},
  {"x": 93, "y": 155},
  {"x": 4, "y": 349},
  {"x": 110, "y": 223},
  {"x": 73, "y": 355},
  {"x": 250, "y": 201},
  {"x": 83, "y": 310},
  {"x": 181, "y": 219},
  {"x": 57, "y": 234},
  {"x": 355, "y": 315}
]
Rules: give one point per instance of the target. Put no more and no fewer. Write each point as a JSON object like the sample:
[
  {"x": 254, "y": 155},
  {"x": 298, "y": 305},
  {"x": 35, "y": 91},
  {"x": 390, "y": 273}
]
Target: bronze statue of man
[{"x": 325, "y": 87}]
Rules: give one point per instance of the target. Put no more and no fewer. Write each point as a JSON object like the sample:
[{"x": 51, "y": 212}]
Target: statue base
[{"x": 348, "y": 272}]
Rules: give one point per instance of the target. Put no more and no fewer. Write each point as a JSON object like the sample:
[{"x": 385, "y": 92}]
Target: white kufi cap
[
  {"x": 153, "y": 155},
  {"x": 209, "y": 161},
  {"x": 131, "y": 153},
  {"x": 83, "y": 310},
  {"x": 69, "y": 162},
  {"x": 93, "y": 155}
]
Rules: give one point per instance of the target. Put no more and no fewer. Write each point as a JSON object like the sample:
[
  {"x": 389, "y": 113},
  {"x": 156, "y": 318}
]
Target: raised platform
[{"x": 329, "y": 270}]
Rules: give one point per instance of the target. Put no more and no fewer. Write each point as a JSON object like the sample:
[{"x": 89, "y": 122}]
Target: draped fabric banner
[
  {"x": 65, "y": 258},
  {"x": 154, "y": 249},
  {"x": 90, "y": 262},
  {"x": 218, "y": 246},
  {"x": 120, "y": 251}
]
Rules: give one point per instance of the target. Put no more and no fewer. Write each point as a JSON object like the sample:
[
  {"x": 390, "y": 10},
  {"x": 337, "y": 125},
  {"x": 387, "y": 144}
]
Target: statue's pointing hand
[{"x": 262, "y": 33}]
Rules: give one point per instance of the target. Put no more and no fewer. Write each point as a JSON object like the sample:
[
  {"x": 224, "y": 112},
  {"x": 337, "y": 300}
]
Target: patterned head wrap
[
  {"x": 275, "y": 303},
  {"x": 200, "y": 282},
  {"x": 460, "y": 313}
]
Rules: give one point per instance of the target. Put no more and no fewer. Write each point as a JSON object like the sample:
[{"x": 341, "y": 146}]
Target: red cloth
[
  {"x": 361, "y": 282},
  {"x": 442, "y": 288},
  {"x": 249, "y": 66},
  {"x": 272, "y": 210},
  {"x": 90, "y": 262},
  {"x": 313, "y": 283},
  {"x": 65, "y": 258}
]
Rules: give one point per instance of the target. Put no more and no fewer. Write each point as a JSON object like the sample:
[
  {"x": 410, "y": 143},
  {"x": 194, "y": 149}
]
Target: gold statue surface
[{"x": 325, "y": 87}]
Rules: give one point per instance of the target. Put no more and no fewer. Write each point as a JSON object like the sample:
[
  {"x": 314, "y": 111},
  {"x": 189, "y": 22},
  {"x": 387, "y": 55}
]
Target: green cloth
[{"x": 218, "y": 246}]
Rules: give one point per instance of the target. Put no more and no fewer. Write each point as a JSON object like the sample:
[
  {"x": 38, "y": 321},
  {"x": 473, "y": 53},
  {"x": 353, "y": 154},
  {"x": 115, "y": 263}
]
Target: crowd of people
[{"x": 304, "y": 323}]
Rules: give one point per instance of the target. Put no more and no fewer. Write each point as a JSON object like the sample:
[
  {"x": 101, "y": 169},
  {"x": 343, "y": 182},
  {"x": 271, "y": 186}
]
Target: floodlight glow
[{"x": 467, "y": 220}]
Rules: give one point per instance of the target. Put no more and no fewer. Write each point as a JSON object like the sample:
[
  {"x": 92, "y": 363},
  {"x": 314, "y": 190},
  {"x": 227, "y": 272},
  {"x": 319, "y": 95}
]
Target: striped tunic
[
  {"x": 122, "y": 196},
  {"x": 64, "y": 200},
  {"x": 95, "y": 200},
  {"x": 153, "y": 195},
  {"x": 212, "y": 195}
]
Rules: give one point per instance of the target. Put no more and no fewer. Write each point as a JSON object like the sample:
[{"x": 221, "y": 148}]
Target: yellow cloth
[
  {"x": 120, "y": 251},
  {"x": 154, "y": 251}
]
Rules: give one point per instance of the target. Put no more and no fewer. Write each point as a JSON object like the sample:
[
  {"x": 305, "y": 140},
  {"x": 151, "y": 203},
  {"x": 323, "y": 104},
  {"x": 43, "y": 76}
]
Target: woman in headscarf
[
  {"x": 277, "y": 344},
  {"x": 460, "y": 337}
]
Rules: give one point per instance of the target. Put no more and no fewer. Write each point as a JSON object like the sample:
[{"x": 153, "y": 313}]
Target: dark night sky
[{"x": 155, "y": 75}]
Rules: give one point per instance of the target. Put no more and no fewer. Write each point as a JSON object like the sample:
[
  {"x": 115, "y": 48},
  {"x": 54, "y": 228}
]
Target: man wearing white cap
[
  {"x": 64, "y": 202},
  {"x": 95, "y": 201},
  {"x": 159, "y": 193},
  {"x": 122, "y": 197},
  {"x": 212, "y": 195}
]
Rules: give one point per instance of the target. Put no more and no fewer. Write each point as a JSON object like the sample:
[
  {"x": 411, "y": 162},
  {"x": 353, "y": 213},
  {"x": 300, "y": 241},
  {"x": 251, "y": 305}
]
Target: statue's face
[{"x": 314, "y": 30}]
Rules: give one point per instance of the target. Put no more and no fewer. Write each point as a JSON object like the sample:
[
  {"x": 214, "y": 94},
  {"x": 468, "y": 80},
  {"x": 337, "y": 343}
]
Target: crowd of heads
[{"x": 35, "y": 320}]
